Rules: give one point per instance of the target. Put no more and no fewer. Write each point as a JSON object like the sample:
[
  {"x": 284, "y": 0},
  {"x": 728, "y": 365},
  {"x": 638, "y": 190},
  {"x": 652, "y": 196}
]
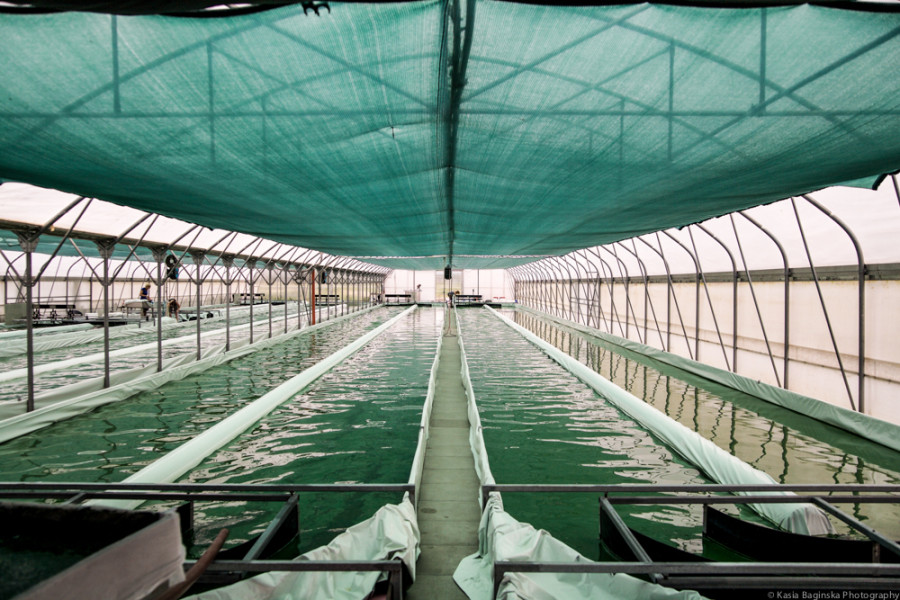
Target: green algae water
[
  {"x": 566, "y": 433},
  {"x": 790, "y": 447},
  {"x": 359, "y": 423},
  {"x": 543, "y": 425},
  {"x": 118, "y": 439}
]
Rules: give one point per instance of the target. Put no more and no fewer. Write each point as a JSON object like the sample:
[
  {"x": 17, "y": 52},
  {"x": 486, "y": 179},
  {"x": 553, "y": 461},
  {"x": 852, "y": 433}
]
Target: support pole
[
  {"x": 312, "y": 294},
  {"x": 28, "y": 242},
  {"x": 198, "y": 260},
  {"x": 228, "y": 261},
  {"x": 250, "y": 264},
  {"x": 861, "y": 299},
  {"x": 270, "y": 270},
  {"x": 812, "y": 269},
  {"x": 159, "y": 255},
  {"x": 787, "y": 296},
  {"x": 285, "y": 275},
  {"x": 106, "y": 248}
]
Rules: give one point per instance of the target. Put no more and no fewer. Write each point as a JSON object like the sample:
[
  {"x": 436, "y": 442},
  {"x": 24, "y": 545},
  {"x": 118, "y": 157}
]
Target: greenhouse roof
[{"x": 482, "y": 133}]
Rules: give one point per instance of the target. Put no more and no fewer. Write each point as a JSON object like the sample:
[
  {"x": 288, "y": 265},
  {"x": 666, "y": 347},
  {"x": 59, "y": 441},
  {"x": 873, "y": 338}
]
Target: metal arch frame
[
  {"x": 29, "y": 237},
  {"x": 524, "y": 289},
  {"x": 647, "y": 299},
  {"x": 564, "y": 262},
  {"x": 581, "y": 288},
  {"x": 610, "y": 284},
  {"x": 787, "y": 291},
  {"x": 861, "y": 276},
  {"x": 597, "y": 287},
  {"x": 625, "y": 275},
  {"x": 709, "y": 301},
  {"x": 531, "y": 274},
  {"x": 697, "y": 279},
  {"x": 581, "y": 299},
  {"x": 822, "y": 303},
  {"x": 759, "y": 316}
]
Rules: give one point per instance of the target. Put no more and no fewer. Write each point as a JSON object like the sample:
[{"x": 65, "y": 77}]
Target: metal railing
[
  {"x": 74, "y": 493},
  {"x": 724, "y": 575}
]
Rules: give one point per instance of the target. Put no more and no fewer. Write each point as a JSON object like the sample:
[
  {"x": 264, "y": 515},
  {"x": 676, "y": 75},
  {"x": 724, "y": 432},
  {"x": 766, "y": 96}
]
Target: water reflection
[
  {"x": 573, "y": 436},
  {"x": 358, "y": 423},
  {"x": 130, "y": 434},
  {"x": 789, "y": 447}
]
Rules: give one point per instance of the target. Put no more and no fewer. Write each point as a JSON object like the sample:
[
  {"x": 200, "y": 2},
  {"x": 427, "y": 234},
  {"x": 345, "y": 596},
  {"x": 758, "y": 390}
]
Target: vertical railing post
[
  {"x": 250, "y": 264},
  {"x": 734, "y": 295}
]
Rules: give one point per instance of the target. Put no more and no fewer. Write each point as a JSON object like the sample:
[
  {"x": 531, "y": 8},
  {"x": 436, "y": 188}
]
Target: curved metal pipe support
[
  {"x": 553, "y": 285},
  {"x": 812, "y": 268},
  {"x": 762, "y": 325},
  {"x": 626, "y": 276},
  {"x": 861, "y": 300},
  {"x": 596, "y": 290},
  {"x": 709, "y": 302},
  {"x": 613, "y": 312},
  {"x": 585, "y": 290},
  {"x": 787, "y": 292},
  {"x": 563, "y": 260},
  {"x": 539, "y": 287},
  {"x": 734, "y": 304},
  {"x": 531, "y": 289},
  {"x": 696, "y": 294},
  {"x": 580, "y": 287},
  {"x": 647, "y": 300}
]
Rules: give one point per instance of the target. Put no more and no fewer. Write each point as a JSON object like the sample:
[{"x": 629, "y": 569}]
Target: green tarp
[{"x": 429, "y": 129}]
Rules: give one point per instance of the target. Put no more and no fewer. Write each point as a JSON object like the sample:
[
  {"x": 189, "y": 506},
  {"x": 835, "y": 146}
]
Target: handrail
[{"x": 723, "y": 575}]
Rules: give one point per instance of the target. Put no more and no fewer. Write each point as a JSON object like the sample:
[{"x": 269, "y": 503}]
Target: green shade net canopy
[{"x": 467, "y": 132}]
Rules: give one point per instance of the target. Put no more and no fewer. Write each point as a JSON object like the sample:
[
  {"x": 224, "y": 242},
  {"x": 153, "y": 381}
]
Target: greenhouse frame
[{"x": 449, "y": 299}]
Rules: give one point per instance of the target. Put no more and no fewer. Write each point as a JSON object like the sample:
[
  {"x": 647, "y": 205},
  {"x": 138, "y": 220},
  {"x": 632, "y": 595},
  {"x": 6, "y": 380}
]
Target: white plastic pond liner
[
  {"x": 867, "y": 427},
  {"x": 393, "y": 532},
  {"x": 717, "y": 464},
  {"x": 190, "y": 454},
  {"x": 502, "y": 538},
  {"x": 418, "y": 463},
  {"x": 71, "y": 400}
]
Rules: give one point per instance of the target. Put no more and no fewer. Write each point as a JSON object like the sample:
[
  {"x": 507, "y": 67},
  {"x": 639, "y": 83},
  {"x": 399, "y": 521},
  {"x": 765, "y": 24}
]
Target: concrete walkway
[{"x": 448, "y": 496}]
